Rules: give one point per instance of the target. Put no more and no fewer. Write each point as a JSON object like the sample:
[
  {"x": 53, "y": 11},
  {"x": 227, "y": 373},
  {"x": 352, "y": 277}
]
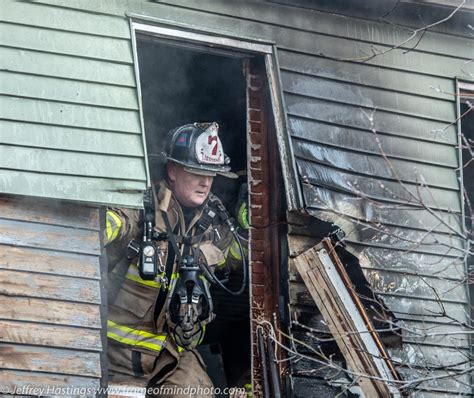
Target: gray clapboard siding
[
  {"x": 287, "y": 38},
  {"x": 416, "y": 286},
  {"x": 327, "y": 23},
  {"x": 361, "y": 95},
  {"x": 63, "y": 19},
  {"x": 61, "y": 42},
  {"x": 376, "y": 165},
  {"x": 66, "y": 67},
  {"x": 373, "y": 143},
  {"x": 344, "y": 48},
  {"x": 64, "y": 114},
  {"x": 422, "y": 310},
  {"x": 435, "y": 334},
  {"x": 453, "y": 383},
  {"x": 70, "y": 139},
  {"x": 70, "y": 163},
  {"x": 324, "y": 110},
  {"x": 368, "y": 75},
  {"x": 373, "y": 188},
  {"x": 70, "y": 110},
  {"x": 404, "y": 216},
  {"x": 412, "y": 262},
  {"x": 50, "y": 311},
  {"x": 84, "y": 189},
  {"x": 47, "y": 88},
  {"x": 399, "y": 238}
]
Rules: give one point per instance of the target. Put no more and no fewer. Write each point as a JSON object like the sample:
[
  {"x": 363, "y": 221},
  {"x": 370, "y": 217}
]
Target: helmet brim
[
  {"x": 201, "y": 172},
  {"x": 207, "y": 170}
]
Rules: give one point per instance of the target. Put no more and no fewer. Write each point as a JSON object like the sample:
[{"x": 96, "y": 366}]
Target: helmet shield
[{"x": 198, "y": 148}]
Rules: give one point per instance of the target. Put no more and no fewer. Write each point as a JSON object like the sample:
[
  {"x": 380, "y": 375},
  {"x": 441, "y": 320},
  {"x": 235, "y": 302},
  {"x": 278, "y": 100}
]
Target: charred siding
[{"x": 50, "y": 294}]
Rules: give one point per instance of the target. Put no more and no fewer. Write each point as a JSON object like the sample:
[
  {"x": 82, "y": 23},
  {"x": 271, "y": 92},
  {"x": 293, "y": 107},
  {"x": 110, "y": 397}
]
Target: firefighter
[{"x": 157, "y": 317}]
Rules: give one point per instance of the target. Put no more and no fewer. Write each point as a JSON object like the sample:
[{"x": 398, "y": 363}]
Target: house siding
[
  {"x": 347, "y": 120},
  {"x": 341, "y": 112},
  {"x": 50, "y": 295},
  {"x": 70, "y": 119}
]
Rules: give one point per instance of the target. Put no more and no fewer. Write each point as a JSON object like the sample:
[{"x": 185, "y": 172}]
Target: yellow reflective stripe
[
  {"x": 134, "y": 337},
  {"x": 113, "y": 225},
  {"x": 234, "y": 250},
  {"x": 133, "y": 275}
]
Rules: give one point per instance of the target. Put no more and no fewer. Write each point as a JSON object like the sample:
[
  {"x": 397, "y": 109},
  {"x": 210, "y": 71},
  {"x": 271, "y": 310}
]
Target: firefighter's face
[{"x": 191, "y": 190}]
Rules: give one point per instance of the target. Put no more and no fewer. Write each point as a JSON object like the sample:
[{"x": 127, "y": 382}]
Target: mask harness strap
[{"x": 190, "y": 303}]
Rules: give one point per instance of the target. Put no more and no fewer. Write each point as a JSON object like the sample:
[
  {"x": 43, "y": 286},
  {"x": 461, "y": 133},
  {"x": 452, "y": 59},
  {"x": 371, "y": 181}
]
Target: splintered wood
[{"x": 332, "y": 291}]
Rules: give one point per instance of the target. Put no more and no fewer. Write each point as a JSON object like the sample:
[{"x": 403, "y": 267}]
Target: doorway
[{"x": 182, "y": 84}]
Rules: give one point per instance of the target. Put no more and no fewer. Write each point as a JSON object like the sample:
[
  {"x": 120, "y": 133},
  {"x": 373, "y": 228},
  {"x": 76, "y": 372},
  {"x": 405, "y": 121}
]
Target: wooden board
[
  {"x": 44, "y": 236},
  {"x": 50, "y": 311},
  {"x": 42, "y": 211},
  {"x": 24, "y": 381},
  {"x": 49, "y": 360},
  {"x": 55, "y": 287},
  {"x": 49, "y": 262},
  {"x": 343, "y": 313},
  {"x": 73, "y": 338}
]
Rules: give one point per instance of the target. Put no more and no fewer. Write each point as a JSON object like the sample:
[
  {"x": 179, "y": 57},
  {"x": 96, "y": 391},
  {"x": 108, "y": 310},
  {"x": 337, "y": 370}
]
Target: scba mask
[{"x": 190, "y": 305}]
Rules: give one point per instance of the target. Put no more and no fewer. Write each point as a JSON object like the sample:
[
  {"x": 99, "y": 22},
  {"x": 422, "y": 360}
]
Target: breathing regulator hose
[{"x": 226, "y": 218}]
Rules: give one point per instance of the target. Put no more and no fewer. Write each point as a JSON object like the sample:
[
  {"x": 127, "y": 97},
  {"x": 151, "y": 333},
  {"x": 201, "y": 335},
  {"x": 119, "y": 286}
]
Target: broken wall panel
[
  {"x": 373, "y": 213},
  {"x": 375, "y": 189},
  {"x": 370, "y": 142},
  {"x": 409, "y": 285},
  {"x": 361, "y": 95},
  {"x": 50, "y": 293},
  {"x": 376, "y": 165}
]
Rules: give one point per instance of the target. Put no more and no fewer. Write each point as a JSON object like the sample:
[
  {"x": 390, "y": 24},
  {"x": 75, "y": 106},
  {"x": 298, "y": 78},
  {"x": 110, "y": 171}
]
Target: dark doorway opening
[{"x": 182, "y": 84}]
